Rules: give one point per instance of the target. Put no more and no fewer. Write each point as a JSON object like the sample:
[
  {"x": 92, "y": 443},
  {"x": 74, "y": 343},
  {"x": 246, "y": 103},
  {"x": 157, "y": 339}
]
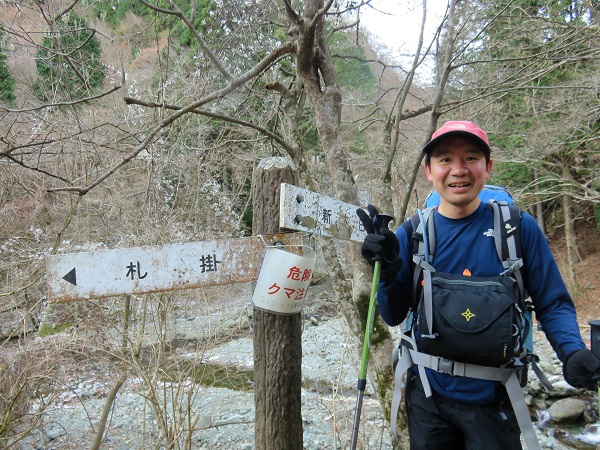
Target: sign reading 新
[{"x": 304, "y": 210}]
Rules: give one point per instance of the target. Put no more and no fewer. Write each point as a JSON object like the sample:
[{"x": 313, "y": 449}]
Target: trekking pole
[
  {"x": 595, "y": 347},
  {"x": 362, "y": 376}
]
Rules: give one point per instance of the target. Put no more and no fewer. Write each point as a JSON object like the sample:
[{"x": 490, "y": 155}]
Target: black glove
[
  {"x": 380, "y": 244},
  {"x": 582, "y": 369}
]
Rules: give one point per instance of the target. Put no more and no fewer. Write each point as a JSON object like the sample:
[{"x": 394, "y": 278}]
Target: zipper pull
[{"x": 430, "y": 336}]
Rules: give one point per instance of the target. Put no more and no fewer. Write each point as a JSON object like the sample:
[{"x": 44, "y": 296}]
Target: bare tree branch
[
  {"x": 59, "y": 104},
  {"x": 276, "y": 138},
  {"x": 266, "y": 62}
]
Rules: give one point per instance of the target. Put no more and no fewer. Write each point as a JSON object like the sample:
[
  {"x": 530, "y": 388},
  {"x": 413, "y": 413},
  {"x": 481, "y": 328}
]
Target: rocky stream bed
[{"x": 222, "y": 417}]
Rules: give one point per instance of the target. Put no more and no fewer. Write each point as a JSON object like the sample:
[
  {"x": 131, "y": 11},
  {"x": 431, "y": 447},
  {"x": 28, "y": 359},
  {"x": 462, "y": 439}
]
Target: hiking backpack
[
  {"x": 508, "y": 250},
  {"x": 420, "y": 228}
]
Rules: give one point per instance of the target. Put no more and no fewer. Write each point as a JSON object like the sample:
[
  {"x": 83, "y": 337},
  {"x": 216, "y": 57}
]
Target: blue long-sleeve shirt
[{"x": 468, "y": 243}]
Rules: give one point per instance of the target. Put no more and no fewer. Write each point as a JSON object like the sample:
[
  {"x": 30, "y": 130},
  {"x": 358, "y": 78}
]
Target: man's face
[{"x": 458, "y": 171}]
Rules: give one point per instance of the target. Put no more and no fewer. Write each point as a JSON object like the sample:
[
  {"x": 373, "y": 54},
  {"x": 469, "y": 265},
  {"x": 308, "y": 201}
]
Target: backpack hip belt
[{"x": 509, "y": 377}]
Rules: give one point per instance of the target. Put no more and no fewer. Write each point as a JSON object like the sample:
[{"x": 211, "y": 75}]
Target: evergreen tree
[
  {"x": 7, "y": 83},
  {"x": 531, "y": 68},
  {"x": 68, "y": 61}
]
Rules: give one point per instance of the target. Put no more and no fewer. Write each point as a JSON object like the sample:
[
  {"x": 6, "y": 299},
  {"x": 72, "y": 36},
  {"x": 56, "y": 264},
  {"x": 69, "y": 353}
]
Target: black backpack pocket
[{"x": 474, "y": 320}]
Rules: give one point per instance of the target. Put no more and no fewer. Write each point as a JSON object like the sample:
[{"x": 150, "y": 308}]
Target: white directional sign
[
  {"x": 137, "y": 270},
  {"x": 304, "y": 210}
]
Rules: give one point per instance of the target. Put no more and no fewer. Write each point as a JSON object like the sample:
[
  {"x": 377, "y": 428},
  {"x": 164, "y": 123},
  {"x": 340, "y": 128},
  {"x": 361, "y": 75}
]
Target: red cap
[{"x": 459, "y": 128}]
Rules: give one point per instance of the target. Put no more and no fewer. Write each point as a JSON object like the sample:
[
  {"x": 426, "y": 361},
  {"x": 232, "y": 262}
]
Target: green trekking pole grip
[{"x": 362, "y": 376}]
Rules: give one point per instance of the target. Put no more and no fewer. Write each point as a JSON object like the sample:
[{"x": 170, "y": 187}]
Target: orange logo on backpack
[{"x": 467, "y": 273}]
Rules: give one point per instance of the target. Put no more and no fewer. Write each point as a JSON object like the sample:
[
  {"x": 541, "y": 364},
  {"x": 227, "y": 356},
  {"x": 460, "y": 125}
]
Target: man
[{"x": 463, "y": 412}]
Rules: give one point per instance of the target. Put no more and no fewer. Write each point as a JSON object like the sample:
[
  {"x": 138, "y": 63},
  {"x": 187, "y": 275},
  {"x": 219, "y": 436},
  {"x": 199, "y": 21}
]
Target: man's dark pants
[{"x": 437, "y": 423}]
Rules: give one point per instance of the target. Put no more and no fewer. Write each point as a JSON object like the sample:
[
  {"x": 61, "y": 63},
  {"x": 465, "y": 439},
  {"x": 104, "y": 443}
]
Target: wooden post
[{"x": 277, "y": 337}]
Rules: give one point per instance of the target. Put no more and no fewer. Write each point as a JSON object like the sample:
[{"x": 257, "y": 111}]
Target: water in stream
[{"x": 576, "y": 437}]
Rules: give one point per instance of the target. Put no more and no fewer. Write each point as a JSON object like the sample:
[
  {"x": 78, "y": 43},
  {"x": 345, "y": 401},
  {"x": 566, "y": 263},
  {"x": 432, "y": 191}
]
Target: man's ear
[
  {"x": 428, "y": 172},
  {"x": 488, "y": 170}
]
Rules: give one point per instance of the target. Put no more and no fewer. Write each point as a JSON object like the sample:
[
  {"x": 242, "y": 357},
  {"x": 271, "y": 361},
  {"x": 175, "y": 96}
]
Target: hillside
[{"x": 586, "y": 291}]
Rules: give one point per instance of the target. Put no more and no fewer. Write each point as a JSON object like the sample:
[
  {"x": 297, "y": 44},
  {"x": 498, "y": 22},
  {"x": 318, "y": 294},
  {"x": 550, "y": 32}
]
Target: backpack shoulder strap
[
  {"x": 422, "y": 237},
  {"x": 507, "y": 236}
]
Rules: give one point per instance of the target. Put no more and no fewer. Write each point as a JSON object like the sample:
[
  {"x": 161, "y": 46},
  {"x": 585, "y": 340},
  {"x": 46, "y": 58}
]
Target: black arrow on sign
[{"x": 71, "y": 277}]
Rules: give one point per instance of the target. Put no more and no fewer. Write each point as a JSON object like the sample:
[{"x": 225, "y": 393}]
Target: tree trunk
[
  {"x": 316, "y": 70},
  {"x": 570, "y": 236},
  {"x": 539, "y": 206},
  {"x": 277, "y": 337}
]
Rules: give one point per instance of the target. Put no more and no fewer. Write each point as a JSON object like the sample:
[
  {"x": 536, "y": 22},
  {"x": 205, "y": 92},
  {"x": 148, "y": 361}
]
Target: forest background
[{"x": 130, "y": 122}]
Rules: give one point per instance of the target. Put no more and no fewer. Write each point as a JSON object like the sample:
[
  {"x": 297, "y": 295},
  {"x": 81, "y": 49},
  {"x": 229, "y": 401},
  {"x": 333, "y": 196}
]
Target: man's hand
[
  {"x": 380, "y": 244},
  {"x": 582, "y": 369}
]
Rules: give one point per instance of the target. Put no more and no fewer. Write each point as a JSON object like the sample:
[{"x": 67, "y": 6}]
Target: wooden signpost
[
  {"x": 277, "y": 205},
  {"x": 304, "y": 210},
  {"x": 139, "y": 270}
]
